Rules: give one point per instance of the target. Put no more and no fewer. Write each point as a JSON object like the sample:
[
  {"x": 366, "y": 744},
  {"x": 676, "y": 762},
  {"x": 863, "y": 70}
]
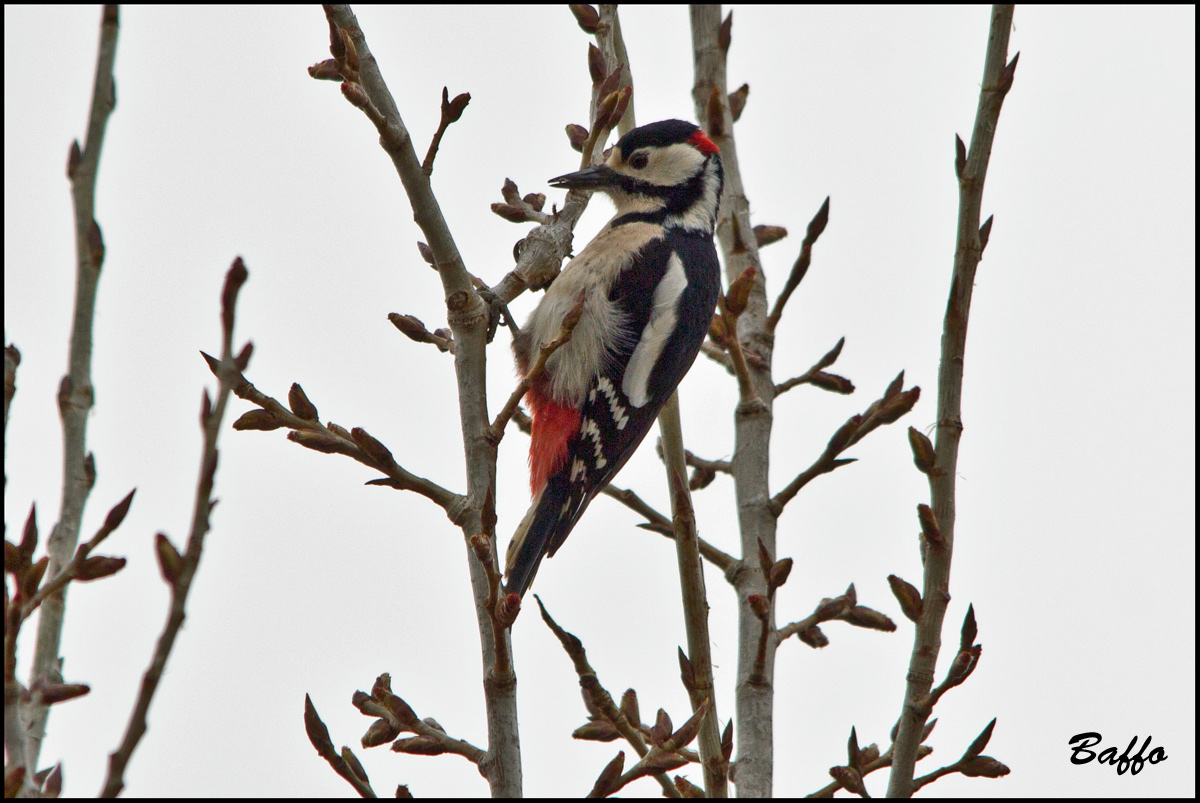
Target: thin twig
[
  {"x": 800, "y": 267},
  {"x": 75, "y": 391},
  {"x": 599, "y": 698},
  {"x": 211, "y": 417},
  {"x": 569, "y": 321},
  {"x": 333, "y": 439},
  {"x": 816, "y": 375},
  {"x": 889, "y": 408},
  {"x": 971, "y": 171}
]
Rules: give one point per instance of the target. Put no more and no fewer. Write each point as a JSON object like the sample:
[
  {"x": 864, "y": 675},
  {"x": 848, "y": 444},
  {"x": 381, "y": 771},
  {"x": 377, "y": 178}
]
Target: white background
[{"x": 1076, "y": 500}]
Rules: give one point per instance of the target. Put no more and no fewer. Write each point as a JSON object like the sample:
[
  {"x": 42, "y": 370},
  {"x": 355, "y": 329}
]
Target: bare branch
[
  {"x": 884, "y": 410},
  {"x": 971, "y": 171},
  {"x": 800, "y": 267},
  {"x": 211, "y": 417},
  {"x": 76, "y": 393}
]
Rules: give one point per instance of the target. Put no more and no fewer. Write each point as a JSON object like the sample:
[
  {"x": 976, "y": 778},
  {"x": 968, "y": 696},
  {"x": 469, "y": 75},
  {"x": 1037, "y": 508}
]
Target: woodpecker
[{"x": 649, "y": 281}]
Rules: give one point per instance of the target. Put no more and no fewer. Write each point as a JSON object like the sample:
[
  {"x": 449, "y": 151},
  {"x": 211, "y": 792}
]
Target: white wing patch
[
  {"x": 615, "y": 409},
  {"x": 663, "y": 317},
  {"x": 588, "y": 429}
]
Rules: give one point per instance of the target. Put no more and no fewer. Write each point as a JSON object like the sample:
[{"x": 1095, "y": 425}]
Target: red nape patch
[
  {"x": 703, "y": 144},
  {"x": 553, "y": 427}
]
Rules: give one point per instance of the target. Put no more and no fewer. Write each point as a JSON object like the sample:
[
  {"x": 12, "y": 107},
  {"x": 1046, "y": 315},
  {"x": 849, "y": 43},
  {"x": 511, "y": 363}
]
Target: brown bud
[
  {"x": 862, "y": 616},
  {"x": 1010, "y": 71},
  {"x": 12, "y": 557},
  {"x": 452, "y": 109},
  {"x": 536, "y": 201},
  {"x": 53, "y": 693},
  {"x": 606, "y": 782},
  {"x": 117, "y": 515},
  {"x": 411, "y": 326},
  {"x": 760, "y": 606},
  {"x": 98, "y": 566},
  {"x": 737, "y": 101},
  {"x": 629, "y": 708},
  {"x": 507, "y": 609},
  {"x": 596, "y": 731},
  {"x": 382, "y": 686},
  {"x": 830, "y": 608},
  {"x": 326, "y": 70},
  {"x": 350, "y": 57},
  {"x": 662, "y": 728},
  {"x": 727, "y": 741},
  {"x": 739, "y": 291},
  {"x": 922, "y": 449},
  {"x": 354, "y": 764},
  {"x": 688, "y": 730},
  {"x": 765, "y": 561},
  {"x": 31, "y": 578},
  {"x": 981, "y": 741},
  {"x": 929, "y": 525},
  {"x": 961, "y": 667},
  {"x": 985, "y": 232},
  {"x": 317, "y": 441},
  {"x": 242, "y": 361},
  {"x": 402, "y": 714},
  {"x": 257, "y": 419},
  {"x": 170, "y": 562},
  {"x": 960, "y": 156},
  {"x": 604, "y": 112},
  {"x": 586, "y": 16},
  {"x": 510, "y": 193},
  {"x": 374, "y": 449},
  {"x": 318, "y": 733},
  {"x": 765, "y": 235},
  {"x": 354, "y": 93},
  {"x": 513, "y": 214},
  {"x": 984, "y": 767},
  {"x": 832, "y": 382},
  {"x": 849, "y": 778},
  {"x": 426, "y": 253},
  {"x": 779, "y": 573},
  {"x": 610, "y": 84},
  {"x": 622, "y": 104},
  {"x": 419, "y": 746},
  {"x": 301, "y": 406},
  {"x": 663, "y": 762},
  {"x": 96, "y": 245},
  {"x": 908, "y": 596},
  {"x": 380, "y": 732},
  {"x": 899, "y": 405},
  {"x": 841, "y": 438},
  {"x": 725, "y": 34},
  {"x": 577, "y": 135},
  {"x": 597, "y": 69},
  {"x": 74, "y": 156}
]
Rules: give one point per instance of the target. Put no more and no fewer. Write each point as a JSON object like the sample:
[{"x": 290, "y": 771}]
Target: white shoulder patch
[{"x": 664, "y": 315}]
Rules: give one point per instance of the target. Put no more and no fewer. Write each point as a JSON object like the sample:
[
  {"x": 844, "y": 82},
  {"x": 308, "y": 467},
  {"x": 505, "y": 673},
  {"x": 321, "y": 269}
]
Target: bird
[{"x": 648, "y": 282}]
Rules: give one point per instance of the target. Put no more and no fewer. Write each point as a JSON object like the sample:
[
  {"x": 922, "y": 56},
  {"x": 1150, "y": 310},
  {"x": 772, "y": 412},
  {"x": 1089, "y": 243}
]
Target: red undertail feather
[{"x": 553, "y": 427}]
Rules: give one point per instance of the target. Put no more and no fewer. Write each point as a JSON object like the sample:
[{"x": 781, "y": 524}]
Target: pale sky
[{"x": 1076, "y": 526}]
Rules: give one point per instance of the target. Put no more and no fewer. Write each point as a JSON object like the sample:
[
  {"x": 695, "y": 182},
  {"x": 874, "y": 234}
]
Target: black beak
[{"x": 590, "y": 179}]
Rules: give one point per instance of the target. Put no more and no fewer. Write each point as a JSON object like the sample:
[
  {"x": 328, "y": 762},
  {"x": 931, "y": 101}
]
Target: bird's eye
[{"x": 638, "y": 161}]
